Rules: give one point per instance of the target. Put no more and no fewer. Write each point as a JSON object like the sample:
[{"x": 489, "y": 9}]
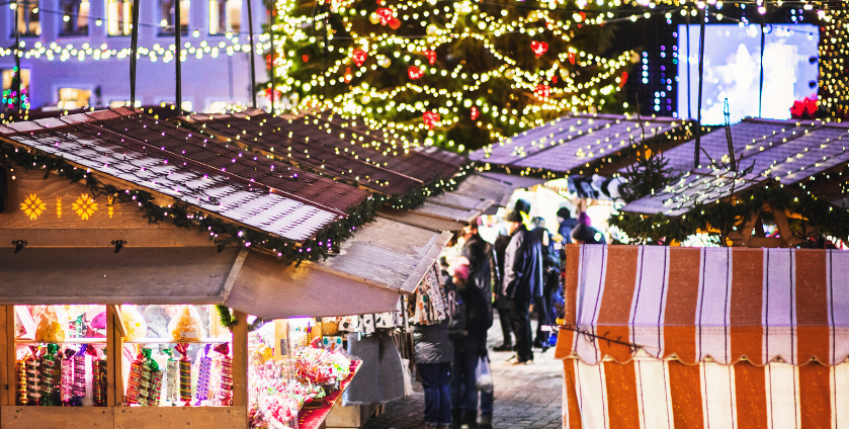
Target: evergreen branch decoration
[
  {"x": 227, "y": 318},
  {"x": 181, "y": 215},
  {"x": 649, "y": 173}
]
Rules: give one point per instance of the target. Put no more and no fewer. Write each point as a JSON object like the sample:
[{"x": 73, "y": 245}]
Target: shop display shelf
[
  {"x": 144, "y": 340},
  {"x": 315, "y": 418},
  {"x": 70, "y": 340}
]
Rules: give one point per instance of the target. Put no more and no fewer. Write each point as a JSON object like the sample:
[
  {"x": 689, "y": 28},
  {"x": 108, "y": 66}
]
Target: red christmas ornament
[
  {"x": 539, "y": 48},
  {"x": 414, "y": 72},
  {"x": 347, "y": 74},
  {"x": 430, "y": 119},
  {"x": 305, "y": 58},
  {"x": 572, "y": 57},
  {"x": 542, "y": 91},
  {"x": 359, "y": 57},
  {"x": 431, "y": 56},
  {"x": 805, "y": 109},
  {"x": 583, "y": 16},
  {"x": 554, "y": 79},
  {"x": 473, "y": 113},
  {"x": 623, "y": 78},
  {"x": 385, "y": 14},
  {"x": 395, "y": 23}
]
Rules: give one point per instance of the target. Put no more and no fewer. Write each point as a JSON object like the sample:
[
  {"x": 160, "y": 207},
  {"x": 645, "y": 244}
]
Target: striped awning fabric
[{"x": 723, "y": 304}]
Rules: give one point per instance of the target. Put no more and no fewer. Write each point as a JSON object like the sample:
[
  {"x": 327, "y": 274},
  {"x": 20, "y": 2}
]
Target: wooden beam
[
  {"x": 782, "y": 224},
  {"x": 7, "y": 356},
  {"x": 112, "y": 356},
  {"x": 240, "y": 361}
]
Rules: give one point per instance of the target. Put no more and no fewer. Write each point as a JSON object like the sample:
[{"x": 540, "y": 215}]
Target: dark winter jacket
[
  {"x": 551, "y": 259},
  {"x": 499, "y": 247},
  {"x": 431, "y": 343},
  {"x": 566, "y": 229},
  {"x": 478, "y": 294},
  {"x": 523, "y": 266}
]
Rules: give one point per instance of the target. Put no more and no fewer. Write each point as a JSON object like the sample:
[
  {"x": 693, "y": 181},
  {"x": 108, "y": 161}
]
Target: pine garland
[{"x": 221, "y": 232}]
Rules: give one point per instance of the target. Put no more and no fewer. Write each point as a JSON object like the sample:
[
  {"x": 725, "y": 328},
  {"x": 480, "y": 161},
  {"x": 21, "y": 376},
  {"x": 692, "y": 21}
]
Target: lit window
[
  {"x": 10, "y": 89},
  {"x": 166, "y": 17},
  {"x": 219, "y": 107},
  {"x": 29, "y": 23},
  {"x": 225, "y": 16},
  {"x": 119, "y": 17},
  {"x": 75, "y": 17},
  {"x": 123, "y": 103},
  {"x": 73, "y": 98}
]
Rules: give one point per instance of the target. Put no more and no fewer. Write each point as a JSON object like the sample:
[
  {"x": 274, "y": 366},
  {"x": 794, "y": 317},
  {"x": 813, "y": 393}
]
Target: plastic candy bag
[
  {"x": 52, "y": 325},
  {"x": 186, "y": 326},
  {"x": 483, "y": 376},
  {"x": 135, "y": 323}
]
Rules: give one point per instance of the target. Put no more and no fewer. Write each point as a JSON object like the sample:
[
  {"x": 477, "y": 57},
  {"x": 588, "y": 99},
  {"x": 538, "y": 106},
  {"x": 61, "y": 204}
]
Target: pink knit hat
[{"x": 460, "y": 268}]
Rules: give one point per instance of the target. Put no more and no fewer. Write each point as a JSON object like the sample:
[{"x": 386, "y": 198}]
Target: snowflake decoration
[
  {"x": 84, "y": 206},
  {"x": 33, "y": 206}
]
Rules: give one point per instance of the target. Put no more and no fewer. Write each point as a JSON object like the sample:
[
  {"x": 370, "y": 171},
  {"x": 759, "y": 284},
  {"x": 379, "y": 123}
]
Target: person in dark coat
[
  {"x": 523, "y": 278},
  {"x": 433, "y": 354},
  {"x": 566, "y": 224},
  {"x": 584, "y": 234},
  {"x": 502, "y": 302},
  {"x": 551, "y": 280}
]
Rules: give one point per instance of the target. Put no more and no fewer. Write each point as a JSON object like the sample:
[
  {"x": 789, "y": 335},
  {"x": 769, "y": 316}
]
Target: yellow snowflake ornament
[
  {"x": 33, "y": 206},
  {"x": 84, "y": 206}
]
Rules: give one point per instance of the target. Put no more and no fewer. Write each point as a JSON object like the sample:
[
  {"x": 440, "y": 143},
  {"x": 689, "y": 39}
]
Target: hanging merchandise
[
  {"x": 51, "y": 325},
  {"x": 414, "y": 72},
  {"x": 473, "y": 113},
  {"x": 134, "y": 322},
  {"x": 431, "y": 119},
  {"x": 156, "y": 384},
  {"x": 33, "y": 366},
  {"x": 359, "y": 56},
  {"x": 187, "y": 325},
  {"x": 98, "y": 376},
  {"x": 50, "y": 368},
  {"x": 21, "y": 382},
  {"x": 202, "y": 386},
  {"x": 145, "y": 377},
  {"x": 79, "y": 377},
  {"x": 134, "y": 382},
  {"x": 225, "y": 394},
  {"x": 172, "y": 378},
  {"x": 431, "y": 56},
  {"x": 66, "y": 387},
  {"x": 539, "y": 48},
  {"x": 78, "y": 326},
  {"x": 430, "y": 301},
  {"x": 185, "y": 373},
  {"x": 542, "y": 91}
]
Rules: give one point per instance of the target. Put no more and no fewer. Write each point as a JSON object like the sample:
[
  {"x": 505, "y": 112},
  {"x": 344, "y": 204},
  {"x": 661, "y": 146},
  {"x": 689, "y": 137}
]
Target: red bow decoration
[
  {"x": 623, "y": 78},
  {"x": 539, "y": 48},
  {"x": 805, "y": 109},
  {"x": 430, "y": 119},
  {"x": 572, "y": 57},
  {"x": 542, "y": 91},
  {"x": 395, "y": 23},
  {"x": 414, "y": 72},
  {"x": 385, "y": 14},
  {"x": 473, "y": 113},
  {"x": 431, "y": 56},
  {"x": 305, "y": 58},
  {"x": 554, "y": 79},
  {"x": 359, "y": 56}
]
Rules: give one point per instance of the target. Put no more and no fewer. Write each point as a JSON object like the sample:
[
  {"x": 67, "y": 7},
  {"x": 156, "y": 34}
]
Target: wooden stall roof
[
  {"x": 572, "y": 141},
  {"x": 160, "y": 157},
  {"x": 384, "y": 259},
  {"x": 793, "y": 154}
]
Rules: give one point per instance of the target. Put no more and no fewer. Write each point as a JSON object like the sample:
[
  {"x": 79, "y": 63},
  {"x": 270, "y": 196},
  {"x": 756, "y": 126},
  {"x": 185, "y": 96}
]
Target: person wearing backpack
[{"x": 468, "y": 326}]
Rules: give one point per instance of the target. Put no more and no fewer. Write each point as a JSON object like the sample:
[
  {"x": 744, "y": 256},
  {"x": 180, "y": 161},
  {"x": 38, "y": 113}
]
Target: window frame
[
  {"x": 73, "y": 20},
  {"x": 165, "y": 32},
  {"x": 228, "y": 26},
  {"x": 27, "y": 18},
  {"x": 121, "y": 25}
]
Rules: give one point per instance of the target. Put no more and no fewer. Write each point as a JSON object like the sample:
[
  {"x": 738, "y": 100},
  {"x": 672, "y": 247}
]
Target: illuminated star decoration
[
  {"x": 359, "y": 57},
  {"x": 33, "y": 206},
  {"x": 84, "y": 206},
  {"x": 431, "y": 119},
  {"x": 539, "y": 48}
]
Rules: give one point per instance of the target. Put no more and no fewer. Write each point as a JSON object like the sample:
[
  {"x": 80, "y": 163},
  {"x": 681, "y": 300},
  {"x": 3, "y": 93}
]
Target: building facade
[{"x": 76, "y": 52}]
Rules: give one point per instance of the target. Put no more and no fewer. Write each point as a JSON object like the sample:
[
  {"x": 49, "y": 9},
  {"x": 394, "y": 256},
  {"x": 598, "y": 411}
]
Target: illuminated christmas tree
[{"x": 455, "y": 74}]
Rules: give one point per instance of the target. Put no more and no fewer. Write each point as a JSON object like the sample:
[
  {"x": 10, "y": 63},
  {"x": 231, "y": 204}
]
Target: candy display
[
  {"x": 79, "y": 377},
  {"x": 186, "y": 326},
  {"x": 225, "y": 395},
  {"x": 202, "y": 387},
  {"x": 66, "y": 388},
  {"x": 134, "y": 382},
  {"x": 50, "y": 369},
  {"x": 52, "y": 325},
  {"x": 134, "y": 322},
  {"x": 185, "y": 377},
  {"x": 172, "y": 378},
  {"x": 98, "y": 376},
  {"x": 33, "y": 365},
  {"x": 21, "y": 382}
]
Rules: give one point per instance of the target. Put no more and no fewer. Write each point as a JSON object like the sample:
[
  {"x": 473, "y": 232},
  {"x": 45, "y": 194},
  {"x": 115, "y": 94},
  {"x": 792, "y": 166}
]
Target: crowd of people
[{"x": 519, "y": 272}]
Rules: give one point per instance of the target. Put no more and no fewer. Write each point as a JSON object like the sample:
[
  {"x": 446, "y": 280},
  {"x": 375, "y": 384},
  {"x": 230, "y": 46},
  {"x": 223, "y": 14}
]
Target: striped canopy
[
  {"x": 724, "y": 303},
  {"x": 669, "y": 337}
]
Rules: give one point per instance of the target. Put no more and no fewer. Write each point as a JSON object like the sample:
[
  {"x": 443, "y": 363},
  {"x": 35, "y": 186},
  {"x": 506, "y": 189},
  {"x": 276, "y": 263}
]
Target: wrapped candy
[
  {"x": 66, "y": 387},
  {"x": 98, "y": 376},
  {"x": 185, "y": 366},
  {"x": 79, "y": 390},
  {"x": 134, "y": 382},
  {"x": 202, "y": 388},
  {"x": 21, "y": 382},
  {"x": 172, "y": 378},
  {"x": 225, "y": 395},
  {"x": 134, "y": 322},
  {"x": 156, "y": 384},
  {"x": 50, "y": 368},
  {"x": 145, "y": 395},
  {"x": 51, "y": 325},
  {"x": 78, "y": 326},
  {"x": 33, "y": 366},
  {"x": 187, "y": 325}
]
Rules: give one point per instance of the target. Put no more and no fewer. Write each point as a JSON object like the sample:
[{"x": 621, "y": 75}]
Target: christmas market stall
[
  {"x": 674, "y": 337},
  {"x": 140, "y": 255},
  {"x": 784, "y": 184}
]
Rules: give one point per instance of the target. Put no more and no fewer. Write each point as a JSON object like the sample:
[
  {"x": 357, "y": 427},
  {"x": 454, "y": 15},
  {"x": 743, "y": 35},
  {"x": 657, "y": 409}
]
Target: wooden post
[
  {"x": 7, "y": 355},
  {"x": 240, "y": 361},
  {"x": 112, "y": 375},
  {"x": 119, "y": 332}
]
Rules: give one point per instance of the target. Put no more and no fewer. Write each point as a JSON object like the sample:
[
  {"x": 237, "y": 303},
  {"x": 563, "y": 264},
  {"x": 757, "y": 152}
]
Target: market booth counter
[
  {"x": 672, "y": 337},
  {"x": 109, "y": 219}
]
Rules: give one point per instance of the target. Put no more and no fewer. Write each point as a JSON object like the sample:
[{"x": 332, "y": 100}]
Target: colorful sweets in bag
[
  {"x": 33, "y": 365},
  {"x": 51, "y": 325},
  {"x": 134, "y": 323},
  {"x": 79, "y": 377},
  {"x": 156, "y": 385},
  {"x": 202, "y": 388},
  {"x": 187, "y": 325},
  {"x": 66, "y": 388},
  {"x": 185, "y": 373},
  {"x": 98, "y": 376},
  {"x": 50, "y": 368},
  {"x": 225, "y": 395},
  {"x": 148, "y": 365},
  {"x": 21, "y": 382},
  {"x": 134, "y": 382},
  {"x": 172, "y": 378}
]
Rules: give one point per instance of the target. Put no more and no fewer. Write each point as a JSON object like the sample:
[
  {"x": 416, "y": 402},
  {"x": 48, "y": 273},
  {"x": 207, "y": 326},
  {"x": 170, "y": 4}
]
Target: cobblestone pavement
[{"x": 526, "y": 396}]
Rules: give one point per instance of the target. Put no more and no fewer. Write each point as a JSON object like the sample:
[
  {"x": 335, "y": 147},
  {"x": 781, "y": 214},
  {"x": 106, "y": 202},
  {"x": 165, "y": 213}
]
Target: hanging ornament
[
  {"x": 431, "y": 56},
  {"x": 554, "y": 79},
  {"x": 414, "y": 72},
  {"x": 395, "y": 23},
  {"x": 473, "y": 113},
  {"x": 305, "y": 58},
  {"x": 385, "y": 15},
  {"x": 374, "y": 18},
  {"x": 431, "y": 119},
  {"x": 572, "y": 57},
  {"x": 539, "y": 48},
  {"x": 623, "y": 78},
  {"x": 431, "y": 29},
  {"x": 542, "y": 91},
  {"x": 359, "y": 56},
  {"x": 383, "y": 61},
  {"x": 347, "y": 74},
  {"x": 225, "y": 394}
]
